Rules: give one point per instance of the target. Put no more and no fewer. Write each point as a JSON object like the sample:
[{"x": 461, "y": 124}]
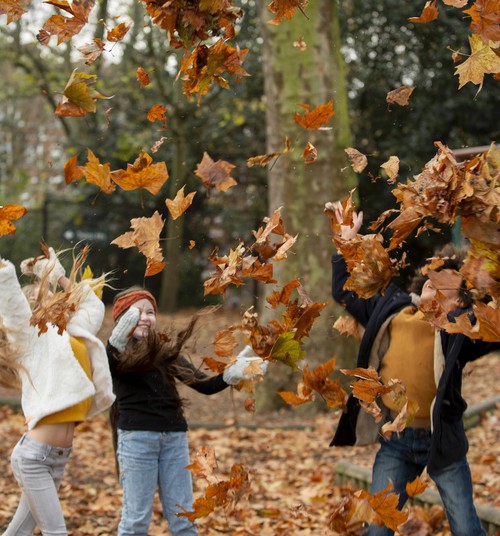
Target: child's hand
[
  {"x": 239, "y": 370},
  {"x": 49, "y": 268},
  {"x": 124, "y": 328},
  {"x": 347, "y": 232}
]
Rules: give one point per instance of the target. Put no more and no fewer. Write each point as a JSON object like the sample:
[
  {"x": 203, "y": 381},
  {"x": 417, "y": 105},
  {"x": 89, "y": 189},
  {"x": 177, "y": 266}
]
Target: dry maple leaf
[
  {"x": 157, "y": 113},
  {"x": 285, "y": 9},
  {"x": 391, "y": 167},
  {"x": 304, "y": 395},
  {"x": 96, "y": 173},
  {"x": 318, "y": 117},
  {"x": 485, "y": 15},
  {"x": 79, "y": 96},
  {"x": 145, "y": 236},
  {"x": 224, "y": 343},
  {"x": 179, "y": 204},
  {"x": 142, "y": 174},
  {"x": 65, "y": 28},
  {"x": 143, "y": 77},
  {"x": 358, "y": 160},
  {"x": 118, "y": 32},
  {"x": 429, "y": 13},
  {"x": 300, "y": 43},
  {"x": 309, "y": 154},
  {"x": 215, "y": 174},
  {"x": 72, "y": 172},
  {"x": 8, "y": 213},
  {"x": 400, "y": 96},
  {"x": 330, "y": 390},
  {"x": 482, "y": 60},
  {"x": 347, "y": 325},
  {"x": 206, "y": 65},
  {"x": 92, "y": 51},
  {"x": 14, "y": 9},
  {"x": 204, "y": 464},
  {"x": 263, "y": 160},
  {"x": 416, "y": 487}
]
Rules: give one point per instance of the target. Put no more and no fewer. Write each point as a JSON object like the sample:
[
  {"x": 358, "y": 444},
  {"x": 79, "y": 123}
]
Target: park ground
[{"x": 292, "y": 469}]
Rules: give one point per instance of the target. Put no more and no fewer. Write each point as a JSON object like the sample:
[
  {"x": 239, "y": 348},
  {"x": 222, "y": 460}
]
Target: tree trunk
[{"x": 312, "y": 76}]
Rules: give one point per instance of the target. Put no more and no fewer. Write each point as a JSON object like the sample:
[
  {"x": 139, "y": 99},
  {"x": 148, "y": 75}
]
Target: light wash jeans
[
  {"x": 39, "y": 469},
  {"x": 149, "y": 460},
  {"x": 403, "y": 458}
]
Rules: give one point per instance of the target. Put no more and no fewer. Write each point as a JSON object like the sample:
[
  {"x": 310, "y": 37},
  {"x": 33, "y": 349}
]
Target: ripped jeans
[{"x": 38, "y": 468}]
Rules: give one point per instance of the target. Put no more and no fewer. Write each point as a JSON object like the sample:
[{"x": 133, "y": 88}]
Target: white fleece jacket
[{"x": 53, "y": 379}]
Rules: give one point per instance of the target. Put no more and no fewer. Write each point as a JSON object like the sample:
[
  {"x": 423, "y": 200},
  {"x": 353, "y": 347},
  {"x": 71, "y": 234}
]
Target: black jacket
[
  {"x": 449, "y": 442},
  {"x": 148, "y": 401}
]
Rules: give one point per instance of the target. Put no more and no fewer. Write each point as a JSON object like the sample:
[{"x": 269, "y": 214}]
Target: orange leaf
[
  {"x": 429, "y": 13},
  {"x": 485, "y": 15},
  {"x": 310, "y": 154},
  {"x": 180, "y": 204},
  {"x": 204, "y": 463},
  {"x": 142, "y": 174},
  {"x": 157, "y": 113},
  {"x": 391, "y": 167},
  {"x": 153, "y": 267},
  {"x": 72, "y": 172},
  {"x": 224, "y": 343},
  {"x": 285, "y": 9},
  {"x": 192, "y": 244},
  {"x": 97, "y": 173},
  {"x": 263, "y": 160},
  {"x": 143, "y": 77},
  {"x": 315, "y": 119},
  {"x": 347, "y": 325},
  {"x": 118, "y": 32},
  {"x": 416, "y": 487},
  {"x": 7, "y": 214},
  {"x": 215, "y": 174}
]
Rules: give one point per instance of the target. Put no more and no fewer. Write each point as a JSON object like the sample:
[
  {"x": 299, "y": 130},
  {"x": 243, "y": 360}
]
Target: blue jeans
[
  {"x": 149, "y": 460},
  {"x": 38, "y": 468},
  {"x": 401, "y": 459}
]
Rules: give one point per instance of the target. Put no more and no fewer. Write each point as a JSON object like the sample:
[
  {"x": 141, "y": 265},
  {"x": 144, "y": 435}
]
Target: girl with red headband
[{"x": 150, "y": 430}]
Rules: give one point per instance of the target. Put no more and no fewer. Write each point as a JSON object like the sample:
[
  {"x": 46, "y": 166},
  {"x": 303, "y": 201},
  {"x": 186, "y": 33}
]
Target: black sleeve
[{"x": 198, "y": 380}]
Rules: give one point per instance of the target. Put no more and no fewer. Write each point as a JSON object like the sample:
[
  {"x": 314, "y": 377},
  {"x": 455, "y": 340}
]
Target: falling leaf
[
  {"x": 157, "y": 144},
  {"x": 400, "y": 96},
  {"x": 358, "y": 160},
  {"x": 485, "y": 15},
  {"x": 79, "y": 96},
  {"x": 92, "y": 50},
  {"x": 72, "y": 172},
  {"x": 65, "y": 28},
  {"x": 300, "y": 44},
  {"x": 157, "y": 113},
  {"x": 482, "y": 60},
  {"x": 224, "y": 343},
  {"x": 287, "y": 350},
  {"x": 215, "y": 174},
  {"x": 429, "y": 13},
  {"x": 118, "y": 32},
  {"x": 192, "y": 244},
  {"x": 310, "y": 154},
  {"x": 96, "y": 173},
  {"x": 8, "y": 213},
  {"x": 143, "y": 77},
  {"x": 347, "y": 325},
  {"x": 416, "y": 487},
  {"x": 180, "y": 204},
  {"x": 142, "y": 174},
  {"x": 145, "y": 236},
  {"x": 285, "y": 9},
  {"x": 263, "y": 160},
  {"x": 14, "y": 9},
  {"x": 321, "y": 115},
  {"x": 391, "y": 167},
  {"x": 204, "y": 463}
]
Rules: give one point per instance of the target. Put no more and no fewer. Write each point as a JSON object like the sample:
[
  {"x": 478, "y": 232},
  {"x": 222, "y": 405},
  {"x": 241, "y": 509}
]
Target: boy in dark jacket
[{"x": 399, "y": 343}]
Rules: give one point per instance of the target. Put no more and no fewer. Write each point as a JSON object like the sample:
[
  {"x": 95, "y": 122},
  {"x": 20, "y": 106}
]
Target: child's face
[
  {"x": 449, "y": 288},
  {"x": 147, "y": 320}
]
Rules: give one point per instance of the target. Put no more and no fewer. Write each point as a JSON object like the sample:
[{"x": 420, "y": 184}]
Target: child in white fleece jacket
[{"x": 64, "y": 377}]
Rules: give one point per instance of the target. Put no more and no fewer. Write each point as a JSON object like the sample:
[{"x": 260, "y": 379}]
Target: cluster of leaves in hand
[{"x": 224, "y": 494}]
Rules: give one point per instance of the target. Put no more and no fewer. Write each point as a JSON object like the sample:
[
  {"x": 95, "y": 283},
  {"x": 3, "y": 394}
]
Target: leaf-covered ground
[{"x": 290, "y": 463}]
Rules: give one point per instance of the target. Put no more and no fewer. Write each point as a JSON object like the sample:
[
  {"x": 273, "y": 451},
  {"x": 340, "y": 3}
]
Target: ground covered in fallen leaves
[{"x": 293, "y": 488}]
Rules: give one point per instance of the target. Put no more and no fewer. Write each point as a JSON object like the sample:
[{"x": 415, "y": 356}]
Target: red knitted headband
[{"x": 122, "y": 303}]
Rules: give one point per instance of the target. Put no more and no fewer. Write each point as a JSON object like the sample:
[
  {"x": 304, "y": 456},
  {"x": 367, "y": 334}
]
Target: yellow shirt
[
  {"x": 78, "y": 412},
  {"x": 410, "y": 358}
]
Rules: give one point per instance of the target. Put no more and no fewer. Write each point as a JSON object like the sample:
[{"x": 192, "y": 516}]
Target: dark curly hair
[{"x": 453, "y": 259}]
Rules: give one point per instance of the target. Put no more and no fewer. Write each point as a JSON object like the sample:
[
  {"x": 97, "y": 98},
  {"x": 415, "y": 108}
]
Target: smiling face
[{"x": 147, "y": 320}]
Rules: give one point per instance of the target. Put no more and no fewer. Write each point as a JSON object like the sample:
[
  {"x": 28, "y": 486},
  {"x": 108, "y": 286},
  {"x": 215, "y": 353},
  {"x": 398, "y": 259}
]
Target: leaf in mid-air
[
  {"x": 215, "y": 174},
  {"x": 8, "y": 213},
  {"x": 142, "y": 174},
  {"x": 315, "y": 119},
  {"x": 180, "y": 203}
]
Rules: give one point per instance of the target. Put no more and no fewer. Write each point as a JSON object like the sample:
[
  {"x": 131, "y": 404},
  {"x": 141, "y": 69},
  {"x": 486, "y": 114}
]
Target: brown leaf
[
  {"x": 400, "y": 96},
  {"x": 118, "y": 32},
  {"x": 92, "y": 51},
  {"x": 215, "y": 174},
  {"x": 309, "y": 154},
  {"x": 358, "y": 160},
  {"x": 225, "y": 343},
  {"x": 96, "y": 173},
  {"x": 320, "y": 116},
  {"x": 14, "y": 9},
  {"x": 179, "y": 204},
  {"x": 143, "y": 77},
  {"x": 429, "y": 13},
  {"x": 142, "y": 174},
  {"x": 65, "y": 28}
]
